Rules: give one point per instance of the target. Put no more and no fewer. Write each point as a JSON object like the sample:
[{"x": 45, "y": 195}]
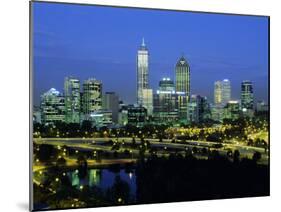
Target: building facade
[
  {"x": 111, "y": 103},
  {"x": 137, "y": 115},
  {"x": 198, "y": 109},
  {"x": 101, "y": 118},
  {"x": 182, "y": 88},
  {"x": 261, "y": 106},
  {"x": 165, "y": 108},
  {"x": 72, "y": 100},
  {"x": 222, "y": 92},
  {"x": 91, "y": 97},
  {"x": 52, "y": 107},
  {"x": 142, "y": 72},
  {"x": 232, "y": 110},
  {"x": 247, "y": 96},
  {"x": 148, "y": 101}
]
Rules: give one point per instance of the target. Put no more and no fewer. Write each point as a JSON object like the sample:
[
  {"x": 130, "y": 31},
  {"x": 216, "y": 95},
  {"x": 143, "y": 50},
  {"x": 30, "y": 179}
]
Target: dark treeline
[{"x": 186, "y": 178}]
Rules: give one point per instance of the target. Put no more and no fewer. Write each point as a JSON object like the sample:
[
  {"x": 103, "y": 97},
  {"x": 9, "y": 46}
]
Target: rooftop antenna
[{"x": 143, "y": 43}]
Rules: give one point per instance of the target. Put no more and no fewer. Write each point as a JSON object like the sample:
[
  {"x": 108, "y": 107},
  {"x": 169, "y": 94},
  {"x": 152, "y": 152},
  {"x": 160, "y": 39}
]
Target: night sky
[{"x": 102, "y": 42}]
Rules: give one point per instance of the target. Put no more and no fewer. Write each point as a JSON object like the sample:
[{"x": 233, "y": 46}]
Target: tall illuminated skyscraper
[
  {"x": 183, "y": 76},
  {"x": 72, "y": 100},
  {"x": 182, "y": 87},
  {"x": 165, "y": 102},
  {"x": 92, "y": 97},
  {"x": 247, "y": 96},
  {"x": 222, "y": 92},
  {"x": 142, "y": 71}
]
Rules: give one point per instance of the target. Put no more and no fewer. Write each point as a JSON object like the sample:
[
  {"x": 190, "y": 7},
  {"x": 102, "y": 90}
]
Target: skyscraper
[
  {"x": 92, "y": 97},
  {"x": 198, "y": 109},
  {"x": 72, "y": 100},
  {"x": 222, "y": 92},
  {"x": 232, "y": 110},
  {"x": 247, "y": 96},
  {"x": 166, "y": 84},
  {"x": 111, "y": 102},
  {"x": 142, "y": 71},
  {"x": 148, "y": 101},
  {"x": 183, "y": 76},
  {"x": 182, "y": 87},
  {"x": 165, "y": 102},
  {"x": 52, "y": 107}
]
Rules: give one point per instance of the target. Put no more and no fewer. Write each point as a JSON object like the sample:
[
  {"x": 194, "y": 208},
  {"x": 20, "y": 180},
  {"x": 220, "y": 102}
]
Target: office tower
[
  {"x": 142, "y": 71},
  {"x": 166, "y": 84},
  {"x": 165, "y": 102},
  {"x": 136, "y": 115},
  {"x": 232, "y": 110},
  {"x": 183, "y": 76},
  {"x": 72, "y": 100},
  {"x": 148, "y": 101},
  {"x": 52, "y": 107},
  {"x": 198, "y": 109},
  {"x": 92, "y": 97},
  {"x": 222, "y": 92},
  {"x": 217, "y": 112},
  {"x": 111, "y": 103},
  {"x": 123, "y": 115},
  {"x": 247, "y": 97},
  {"x": 218, "y": 93},
  {"x": 182, "y": 87},
  {"x": 101, "y": 118}
]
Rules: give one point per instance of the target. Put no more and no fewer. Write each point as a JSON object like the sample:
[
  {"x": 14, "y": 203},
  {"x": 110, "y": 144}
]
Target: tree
[
  {"x": 236, "y": 156},
  {"x": 256, "y": 156},
  {"x": 46, "y": 152},
  {"x": 61, "y": 162}
]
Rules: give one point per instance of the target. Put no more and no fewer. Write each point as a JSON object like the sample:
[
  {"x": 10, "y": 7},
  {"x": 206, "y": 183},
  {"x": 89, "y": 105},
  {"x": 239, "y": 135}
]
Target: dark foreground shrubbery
[{"x": 186, "y": 179}]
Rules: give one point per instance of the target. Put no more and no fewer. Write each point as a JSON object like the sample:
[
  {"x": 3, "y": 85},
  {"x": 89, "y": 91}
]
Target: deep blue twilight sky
[{"x": 102, "y": 42}]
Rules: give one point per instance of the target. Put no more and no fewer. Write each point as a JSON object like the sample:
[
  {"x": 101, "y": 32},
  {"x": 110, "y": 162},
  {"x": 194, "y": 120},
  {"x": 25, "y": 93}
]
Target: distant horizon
[{"x": 69, "y": 41}]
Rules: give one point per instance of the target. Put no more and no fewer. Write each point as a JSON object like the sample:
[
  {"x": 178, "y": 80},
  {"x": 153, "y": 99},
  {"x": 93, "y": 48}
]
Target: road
[{"x": 97, "y": 144}]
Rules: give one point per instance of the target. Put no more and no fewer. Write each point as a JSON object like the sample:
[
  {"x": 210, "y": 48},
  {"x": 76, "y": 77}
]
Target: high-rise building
[
  {"x": 222, "y": 92},
  {"x": 72, "y": 100},
  {"x": 142, "y": 71},
  {"x": 52, "y": 107},
  {"x": 111, "y": 102},
  {"x": 182, "y": 87},
  {"x": 123, "y": 115},
  {"x": 198, "y": 109},
  {"x": 166, "y": 84},
  {"x": 92, "y": 97},
  {"x": 165, "y": 108},
  {"x": 136, "y": 115},
  {"x": 101, "y": 118},
  {"x": 247, "y": 96},
  {"x": 148, "y": 101},
  {"x": 217, "y": 112},
  {"x": 183, "y": 76},
  {"x": 232, "y": 110}
]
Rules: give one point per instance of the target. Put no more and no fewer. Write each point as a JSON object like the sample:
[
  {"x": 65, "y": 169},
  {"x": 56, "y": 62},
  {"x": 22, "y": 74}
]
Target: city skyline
[
  {"x": 145, "y": 106},
  {"x": 54, "y": 66}
]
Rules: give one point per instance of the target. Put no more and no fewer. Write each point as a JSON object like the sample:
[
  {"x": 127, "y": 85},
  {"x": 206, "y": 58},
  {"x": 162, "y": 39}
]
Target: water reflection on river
[{"x": 103, "y": 178}]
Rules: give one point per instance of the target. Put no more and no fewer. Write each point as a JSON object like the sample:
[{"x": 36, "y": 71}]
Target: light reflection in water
[{"x": 103, "y": 178}]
